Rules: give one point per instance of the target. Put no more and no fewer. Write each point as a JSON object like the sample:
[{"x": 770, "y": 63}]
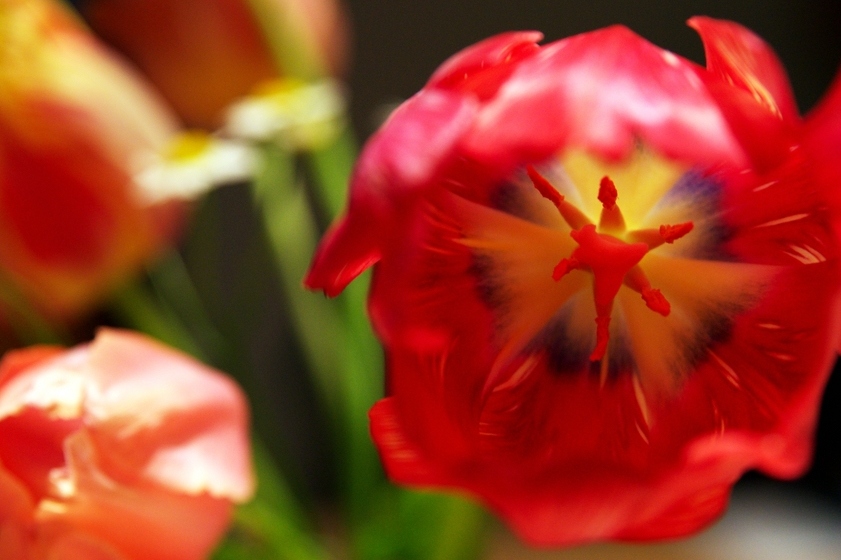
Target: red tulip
[
  {"x": 205, "y": 54},
  {"x": 120, "y": 449},
  {"x": 75, "y": 125},
  {"x": 606, "y": 279}
]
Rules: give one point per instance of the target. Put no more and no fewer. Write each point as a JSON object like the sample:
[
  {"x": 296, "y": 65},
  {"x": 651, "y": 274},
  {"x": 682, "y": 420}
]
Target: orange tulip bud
[
  {"x": 204, "y": 54},
  {"x": 75, "y": 127}
]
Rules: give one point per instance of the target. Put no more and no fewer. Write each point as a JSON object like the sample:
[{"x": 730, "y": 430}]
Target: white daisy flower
[
  {"x": 298, "y": 115},
  {"x": 192, "y": 164}
]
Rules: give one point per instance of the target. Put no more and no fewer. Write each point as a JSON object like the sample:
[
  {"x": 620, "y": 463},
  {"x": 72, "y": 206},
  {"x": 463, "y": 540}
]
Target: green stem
[
  {"x": 461, "y": 529},
  {"x": 134, "y": 305},
  {"x": 283, "y": 32},
  {"x": 331, "y": 168},
  {"x": 292, "y": 235},
  {"x": 339, "y": 346},
  {"x": 171, "y": 282}
]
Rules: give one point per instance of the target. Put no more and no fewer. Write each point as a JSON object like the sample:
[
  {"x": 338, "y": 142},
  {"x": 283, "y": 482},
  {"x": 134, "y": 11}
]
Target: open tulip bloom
[
  {"x": 119, "y": 449},
  {"x": 606, "y": 278}
]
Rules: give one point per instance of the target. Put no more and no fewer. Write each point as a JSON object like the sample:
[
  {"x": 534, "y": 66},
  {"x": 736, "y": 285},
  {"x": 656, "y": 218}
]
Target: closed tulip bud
[
  {"x": 205, "y": 54},
  {"x": 74, "y": 123}
]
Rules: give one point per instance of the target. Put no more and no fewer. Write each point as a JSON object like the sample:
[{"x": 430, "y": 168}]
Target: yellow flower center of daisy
[{"x": 188, "y": 146}]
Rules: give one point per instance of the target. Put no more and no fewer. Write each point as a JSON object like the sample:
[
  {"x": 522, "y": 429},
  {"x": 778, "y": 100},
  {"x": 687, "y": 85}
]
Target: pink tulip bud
[{"x": 121, "y": 448}]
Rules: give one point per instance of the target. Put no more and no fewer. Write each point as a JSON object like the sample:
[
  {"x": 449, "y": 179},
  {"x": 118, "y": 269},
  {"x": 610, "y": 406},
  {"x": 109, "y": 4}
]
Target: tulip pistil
[{"x": 610, "y": 252}]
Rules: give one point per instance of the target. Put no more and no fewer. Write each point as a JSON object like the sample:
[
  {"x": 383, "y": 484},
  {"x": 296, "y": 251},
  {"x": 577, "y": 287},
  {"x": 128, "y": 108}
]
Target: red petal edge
[
  {"x": 16, "y": 361},
  {"x": 603, "y": 91},
  {"x": 390, "y": 173},
  {"x": 740, "y": 57},
  {"x": 482, "y": 68}
]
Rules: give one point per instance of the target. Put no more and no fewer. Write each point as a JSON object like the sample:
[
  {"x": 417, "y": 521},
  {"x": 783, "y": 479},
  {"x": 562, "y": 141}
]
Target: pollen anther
[
  {"x": 656, "y": 301},
  {"x": 569, "y": 213},
  {"x": 611, "y": 219},
  {"x": 544, "y": 187},
  {"x": 671, "y": 233},
  {"x": 564, "y": 267},
  {"x": 607, "y": 193}
]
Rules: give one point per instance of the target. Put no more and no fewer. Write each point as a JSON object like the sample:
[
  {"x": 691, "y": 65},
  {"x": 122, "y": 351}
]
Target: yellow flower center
[{"x": 188, "y": 146}]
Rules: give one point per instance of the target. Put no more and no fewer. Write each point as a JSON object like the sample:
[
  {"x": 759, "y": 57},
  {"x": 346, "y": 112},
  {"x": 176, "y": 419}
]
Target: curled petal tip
[
  {"x": 743, "y": 59},
  {"x": 482, "y": 68},
  {"x": 655, "y": 301},
  {"x": 345, "y": 252}
]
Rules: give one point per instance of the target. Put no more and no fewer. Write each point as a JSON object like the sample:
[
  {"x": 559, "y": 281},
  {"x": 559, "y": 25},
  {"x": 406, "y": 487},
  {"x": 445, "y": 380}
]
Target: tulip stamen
[
  {"x": 564, "y": 267},
  {"x": 670, "y": 233},
  {"x": 574, "y": 217},
  {"x": 602, "y": 337},
  {"x": 609, "y": 252},
  {"x": 608, "y": 193},
  {"x": 611, "y": 219},
  {"x": 655, "y": 301},
  {"x": 666, "y": 233},
  {"x": 653, "y": 298}
]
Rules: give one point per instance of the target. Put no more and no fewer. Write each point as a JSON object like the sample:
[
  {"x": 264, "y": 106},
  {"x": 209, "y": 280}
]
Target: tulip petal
[
  {"x": 739, "y": 57},
  {"x": 760, "y": 108},
  {"x": 201, "y": 55},
  {"x": 75, "y": 125},
  {"x": 435, "y": 118},
  {"x": 402, "y": 459},
  {"x": 166, "y": 417},
  {"x": 602, "y": 91},
  {"x": 124, "y": 517},
  {"x": 16, "y": 507},
  {"x": 494, "y": 386},
  {"x": 481, "y": 68},
  {"x": 123, "y": 449}
]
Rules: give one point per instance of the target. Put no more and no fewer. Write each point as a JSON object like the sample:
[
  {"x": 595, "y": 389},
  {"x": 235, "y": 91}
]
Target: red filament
[{"x": 544, "y": 187}]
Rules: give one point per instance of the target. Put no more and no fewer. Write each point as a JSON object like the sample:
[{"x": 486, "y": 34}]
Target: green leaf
[{"x": 270, "y": 526}]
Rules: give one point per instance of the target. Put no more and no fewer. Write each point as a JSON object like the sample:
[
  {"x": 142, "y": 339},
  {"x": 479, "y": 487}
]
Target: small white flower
[
  {"x": 192, "y": 164},
  {"x": 296, "y": 114}
]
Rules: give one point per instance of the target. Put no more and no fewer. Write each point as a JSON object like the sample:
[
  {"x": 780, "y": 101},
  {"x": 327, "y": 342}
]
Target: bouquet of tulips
[{"x": 604, "y": 283}]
